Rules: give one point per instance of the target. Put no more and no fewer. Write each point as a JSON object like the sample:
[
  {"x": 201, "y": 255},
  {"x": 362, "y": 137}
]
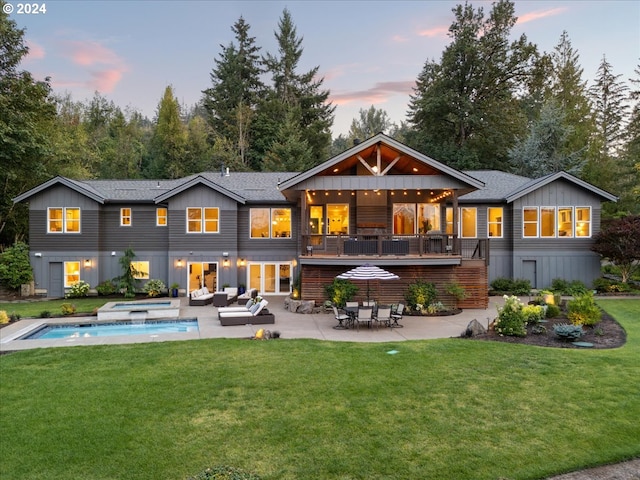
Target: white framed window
[
  {"x": 404, "y": 218},
  {"x": 338, "y": 218},
  {"x": 468, "y": 222},
  {"x": 495, "y": 217},
  {"x": 565, "y": 222},
  {"x": 203, "y": 219},
  {"x": 428, "y": 217},
  {"x": 530, "y": 222},
  {"x": 71, "y": 273},
  {"x": 583, "y": 221},
  {"x": 63, "y": 220},
  {"x": 161, "y": 217},
  {"x": 125, "y": 217},
  {"x": 140, "y": 270},
  {"x": 547, "y": 222},
  {"x": 270, "y": 223}
]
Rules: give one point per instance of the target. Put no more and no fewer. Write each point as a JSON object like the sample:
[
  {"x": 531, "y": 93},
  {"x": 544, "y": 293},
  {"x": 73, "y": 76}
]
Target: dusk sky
[{"x": 369, "y": 52}]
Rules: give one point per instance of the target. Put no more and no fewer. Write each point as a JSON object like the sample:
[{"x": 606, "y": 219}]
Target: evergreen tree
[
  {"x": 290, "y": 151},
  {"x": 294, "y": 99},
  {"x": 236, "y": 88},
  {"x": 630, "y": 195},
  {"x": 465, "y": 109},
  {"x": 27, "y": 114},
  {"x": 608, "y": 95},
  {"x": 169, "y": 140}
]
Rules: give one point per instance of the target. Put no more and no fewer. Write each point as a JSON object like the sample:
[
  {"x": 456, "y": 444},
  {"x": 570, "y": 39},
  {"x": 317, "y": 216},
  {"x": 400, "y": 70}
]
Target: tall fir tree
[
  {"x": 465, "y": 109},
  {"x": 608, "y": 96},
  {"x": 236, "y": 89},
  {"x": 294, "y": 98},
  {"x": 370, "y": 122},
  {"x": 169, "y": 140},
  {"x": 630, "y": 195}
]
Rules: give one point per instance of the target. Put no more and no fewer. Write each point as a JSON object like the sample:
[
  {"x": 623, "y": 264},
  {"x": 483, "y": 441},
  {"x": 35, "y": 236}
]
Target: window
[
  {"x": 565, "y": 222},
  {"x": 63, "y": 220},
  {"x": 125, "y": 217},
  {"x": 428, "y": 217},
  {"x": 161, "y": 217},
  {"x": 530, "y": 222},
  {"x": 71, "y": 273},
  {"x": 337, "y": 218},
  {"x": 468, "y": 223},
  {"x": 140, "y": 270},
  {"x": 557, "y": 222},
  {"x": 494, "y": 221},
  {"x": 203, "y": 220},
  {"x": 583, "y": 222},
  {"x": 270, "y": 223},
  {"x": 404, "y": 218},
  {"x": 547, "y": 222},
  {"x": 449, "y": 220}
]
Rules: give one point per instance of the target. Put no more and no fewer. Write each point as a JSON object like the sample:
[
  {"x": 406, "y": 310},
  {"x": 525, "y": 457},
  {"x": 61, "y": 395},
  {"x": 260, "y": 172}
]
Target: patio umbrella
[{"x": 368, "y": 272}]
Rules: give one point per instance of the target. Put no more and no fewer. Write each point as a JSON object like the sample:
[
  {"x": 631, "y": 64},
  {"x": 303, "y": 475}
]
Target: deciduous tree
[{"x": 619, "y": 242}]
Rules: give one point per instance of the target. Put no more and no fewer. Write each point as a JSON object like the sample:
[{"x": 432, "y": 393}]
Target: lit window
[
  {"x": 140, "y": 270},
  {"x": 404, "y": 218},
  {"x": 565, "y": 222},
  {"x": 449, "y": 220},
  {"x": 494, "y": 221},
  {"x": 270, "y": 223},
  {"x": 125, "y": 217},
  {"x": 428, "y": 217},
  {"x": 161, "y": 217},
  {"x": 337, "y": 218},
  {"x": 63, "y": 220},
  {"x": 201, "y": 220},
  {"x": 71, "y": 273},
  {"x": 547, "y": 222},
  {"x": 583, "y": 222},
  {"x": 469, "y": 223},
  {"x": 529, "y": 222}
]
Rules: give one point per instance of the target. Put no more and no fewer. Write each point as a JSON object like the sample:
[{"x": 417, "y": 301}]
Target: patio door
[
  {"x": 203, "y": 274},
  {"x": 270, "y": 277}
]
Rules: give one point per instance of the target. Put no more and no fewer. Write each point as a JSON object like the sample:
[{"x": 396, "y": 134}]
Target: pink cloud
[
  {"x": 36, "y": 51},
  {"x": 92, "y": 54},
  {"x": 379, "y": 93},
  {"x": 538, "y": 14},
  {"x": 440, "y": 31}
]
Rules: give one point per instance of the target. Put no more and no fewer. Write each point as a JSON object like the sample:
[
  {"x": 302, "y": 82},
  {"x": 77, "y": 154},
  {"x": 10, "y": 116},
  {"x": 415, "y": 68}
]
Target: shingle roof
[{"x": 498, "y": 185}]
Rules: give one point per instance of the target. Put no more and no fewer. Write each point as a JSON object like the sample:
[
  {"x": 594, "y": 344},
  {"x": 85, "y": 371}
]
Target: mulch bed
[{"x": 608, "y": 333}]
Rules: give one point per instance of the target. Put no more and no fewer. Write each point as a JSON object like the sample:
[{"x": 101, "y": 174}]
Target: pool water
[
  {"x": 134, "y": 305},
  {"x": 150, "y": 327}
]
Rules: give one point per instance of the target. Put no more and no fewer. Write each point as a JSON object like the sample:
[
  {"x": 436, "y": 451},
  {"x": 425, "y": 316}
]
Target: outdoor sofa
[
  {"x": 200, "y": 297},
  {"x": 257, "y": 314},
  {"x": 248, "y": 295},
  {"x": 226, "y": 297}
]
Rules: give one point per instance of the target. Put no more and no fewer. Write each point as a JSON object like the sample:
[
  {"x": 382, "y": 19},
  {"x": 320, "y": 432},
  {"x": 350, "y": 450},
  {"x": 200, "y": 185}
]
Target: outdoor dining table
[{"x": 353, "y": 313}]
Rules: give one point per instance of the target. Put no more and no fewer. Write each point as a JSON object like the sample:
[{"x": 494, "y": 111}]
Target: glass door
[
  {"x": 203, "y": 274},
  {"x": 270, "y": 277}
]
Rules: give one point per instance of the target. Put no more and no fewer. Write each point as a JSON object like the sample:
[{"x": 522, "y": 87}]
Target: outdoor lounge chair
[
  {"x": 240, "y": 308},
  {"x": 256, "y": 315}
]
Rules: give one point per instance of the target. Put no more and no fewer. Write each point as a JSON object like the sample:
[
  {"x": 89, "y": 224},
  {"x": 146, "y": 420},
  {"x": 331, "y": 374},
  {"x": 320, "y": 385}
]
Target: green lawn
[
  {"x": 305, "y": 409},
  {"x": 34, "y": 309}
]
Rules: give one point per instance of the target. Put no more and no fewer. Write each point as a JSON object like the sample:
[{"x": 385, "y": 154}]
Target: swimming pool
[{"x": 88, "y": 330}]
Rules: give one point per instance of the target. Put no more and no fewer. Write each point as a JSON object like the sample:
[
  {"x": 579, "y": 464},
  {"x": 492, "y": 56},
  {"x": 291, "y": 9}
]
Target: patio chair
[
  {"x": 369, "y": 303},
  {"x": 397, "y": 315},
  {"x": 351, "y": 304},
  {"x": 364, "y": 316},
  {"x": 340, "y": 317},
  {"x": 383, "y": 316}
]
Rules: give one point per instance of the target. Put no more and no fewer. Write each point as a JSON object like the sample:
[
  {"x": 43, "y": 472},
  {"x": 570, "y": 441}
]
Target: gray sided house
[{"x": 379, "y": 202}]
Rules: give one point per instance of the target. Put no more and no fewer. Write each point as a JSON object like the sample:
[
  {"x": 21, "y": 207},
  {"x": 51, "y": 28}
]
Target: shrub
[
  {"x": 533, "y": 314},
  {"x": 420, "y": 293},
  {"x": 15, "y": 268},
  {"x": 108, "y": 287},
  {"x": 79, "y": 289},
  {"x": 68, "y": 308},
  {"x": 573, "y": 288},
  {"x": 223, "y": 472},
  {"x": 582, "y": 310},
  {"x": 154, "y": 287},
  {"x": 553, "y": 311},
  {"x": 511, "y": 320},
  {"x": 605, "y": 285},
  {"x": 4, "y": 318},
  {"x": 514, "y": 287},
  {"x": 521, "y": 287},
  {"x": 340, "y": 291},
  {"x": 502, "y": 284},
  {"x": 568, "y": 332},
  {"x": 45, "y": 314}
]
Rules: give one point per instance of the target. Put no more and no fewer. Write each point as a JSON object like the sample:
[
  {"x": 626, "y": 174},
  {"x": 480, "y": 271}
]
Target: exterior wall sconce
[
  {"x": 38, "y": 254},
  {"x": 113, "y": 254},
  {"x": 179, "y": 263},
  {"x": 225, "y": 262},
  {"x": 87, "y": 263},
  {"x": 243, "y": 262}
]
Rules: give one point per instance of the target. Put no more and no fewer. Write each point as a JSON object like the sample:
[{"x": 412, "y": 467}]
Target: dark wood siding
[{"x": 142, "y": 233}]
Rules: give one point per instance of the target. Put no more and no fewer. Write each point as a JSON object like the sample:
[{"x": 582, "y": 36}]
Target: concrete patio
[{"x": 290, "y": 325}]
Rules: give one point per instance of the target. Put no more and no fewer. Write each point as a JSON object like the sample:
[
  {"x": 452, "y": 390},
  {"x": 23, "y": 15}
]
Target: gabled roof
[
  {"x": 552, "y": 177},
  {"x": 403, "y": 158},
  {"x": 497, "y": 185},
  {"x": 190, "y": 182},
  {"x": 80, "y": 187}
]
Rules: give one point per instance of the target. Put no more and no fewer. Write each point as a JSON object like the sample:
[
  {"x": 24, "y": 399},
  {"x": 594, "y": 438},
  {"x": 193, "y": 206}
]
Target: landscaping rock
[{"x": 474, "y": 329}]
